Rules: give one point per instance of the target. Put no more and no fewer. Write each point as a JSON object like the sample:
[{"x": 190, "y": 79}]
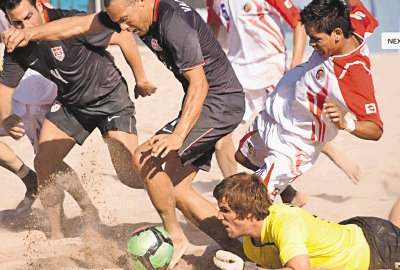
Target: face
[
  {"x": 235, "y": 227},
  {"x": 325, "y": 45},
  {"x": 135, "y": 17},
  {"x": 25, "y": 15}
]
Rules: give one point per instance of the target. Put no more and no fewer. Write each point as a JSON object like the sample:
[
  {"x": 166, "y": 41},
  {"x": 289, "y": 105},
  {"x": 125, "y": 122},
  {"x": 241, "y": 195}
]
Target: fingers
[
  {"x": 14, "y": 38},
  {"x": 226, "y": 260}
]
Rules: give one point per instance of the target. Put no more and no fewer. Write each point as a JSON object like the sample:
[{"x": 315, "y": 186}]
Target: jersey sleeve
[
  {"x": 362, "y": 20},
  {"x": 288, "y": 11},
  {"x": 12, "y": 72},
  {"x": 105, "y": 20},
  {"x": 183, "y": 42},
  {"x": 357, "y": 89},
  {"x": 291, "y": 237},
  {"x": 212, "y": 17}
]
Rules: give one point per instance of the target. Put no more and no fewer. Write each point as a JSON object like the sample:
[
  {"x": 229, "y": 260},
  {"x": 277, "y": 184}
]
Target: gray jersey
[
  {"x": 182, "y": 40},
  {"x": 82, "y": 69}
]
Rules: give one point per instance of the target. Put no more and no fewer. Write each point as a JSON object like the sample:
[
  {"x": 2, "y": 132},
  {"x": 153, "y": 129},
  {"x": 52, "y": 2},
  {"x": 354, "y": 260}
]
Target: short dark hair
[
  {"x": 326, "y": 15},
  {"x": 11, "y": 4},
  {"x": 108, "y": 2},
  {"x": 245, "y": 194}
]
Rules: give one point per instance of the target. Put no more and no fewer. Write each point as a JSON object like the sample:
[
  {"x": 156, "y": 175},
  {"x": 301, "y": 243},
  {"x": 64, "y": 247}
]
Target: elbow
[{"x": 377, "y": 135}]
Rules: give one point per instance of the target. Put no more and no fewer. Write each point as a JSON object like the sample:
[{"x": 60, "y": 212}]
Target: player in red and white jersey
[
  {"x": 307, "y": 108},
  {"x": 256, "y": 51}
]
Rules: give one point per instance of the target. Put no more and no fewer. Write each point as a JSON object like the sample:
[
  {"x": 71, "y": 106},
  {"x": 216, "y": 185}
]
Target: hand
[
  {"x": 333, "y": 113},
  {"x": 13, "y": 126},
  {"x": 164, "y": 143},
  {"x": 144, "y": 89},
  {"x": 14, "y": 38},
  {"x": 226, "y": 260}
]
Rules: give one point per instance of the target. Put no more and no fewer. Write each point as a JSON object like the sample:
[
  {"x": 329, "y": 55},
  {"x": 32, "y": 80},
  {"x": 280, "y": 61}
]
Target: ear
[
  {"x": 39, "y": 6},
  {"x": 338, "y": 34}
]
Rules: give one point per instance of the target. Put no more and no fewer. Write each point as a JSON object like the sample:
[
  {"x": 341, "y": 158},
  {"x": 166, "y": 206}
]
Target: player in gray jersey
[{"x": 91, "y": 94}]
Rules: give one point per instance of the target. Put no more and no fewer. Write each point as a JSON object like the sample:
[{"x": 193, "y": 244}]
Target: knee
[
  {"x": 41, "y": 165},
  {"x": 181, "y": 194}
]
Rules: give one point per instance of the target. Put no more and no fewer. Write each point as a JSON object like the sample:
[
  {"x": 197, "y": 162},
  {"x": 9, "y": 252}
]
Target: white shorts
[
  {"x": 280, "y": 155},
  {"x": 255, "y": 101},
  {"x": 33, "y": 117}
]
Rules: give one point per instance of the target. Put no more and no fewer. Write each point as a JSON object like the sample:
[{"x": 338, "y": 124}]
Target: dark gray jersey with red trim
[
  {"x": 182, "y": 40},
  {"x": 83, "y": 70}
]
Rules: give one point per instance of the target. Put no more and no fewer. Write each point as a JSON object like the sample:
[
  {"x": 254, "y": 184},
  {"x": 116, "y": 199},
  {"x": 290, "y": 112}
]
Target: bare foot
[
  {"x": 300, "y": 199},
  {"x": 179, "y": 249}
]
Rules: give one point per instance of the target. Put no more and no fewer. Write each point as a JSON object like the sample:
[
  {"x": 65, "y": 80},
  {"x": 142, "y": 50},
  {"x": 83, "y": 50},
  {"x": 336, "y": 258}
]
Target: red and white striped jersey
[
  {"x": 346, "y": 80},
  {"x": 255, "y": 37}
]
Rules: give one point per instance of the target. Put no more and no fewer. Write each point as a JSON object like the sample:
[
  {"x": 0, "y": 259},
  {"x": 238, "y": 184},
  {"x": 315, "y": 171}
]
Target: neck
[
  {"x": 349, "y": 45},
  {"x": 255, "y": 232}
]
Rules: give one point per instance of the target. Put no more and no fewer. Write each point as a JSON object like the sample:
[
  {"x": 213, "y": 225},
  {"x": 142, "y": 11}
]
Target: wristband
[{"x": 350, "y": 125}]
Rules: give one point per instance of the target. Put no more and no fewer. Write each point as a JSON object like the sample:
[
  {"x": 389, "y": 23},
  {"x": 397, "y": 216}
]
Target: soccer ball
[{"x": 150, "y": 248}]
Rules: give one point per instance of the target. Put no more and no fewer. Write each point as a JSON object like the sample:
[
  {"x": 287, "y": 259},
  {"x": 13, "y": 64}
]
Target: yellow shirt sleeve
[{"x": 291, "y": 236}]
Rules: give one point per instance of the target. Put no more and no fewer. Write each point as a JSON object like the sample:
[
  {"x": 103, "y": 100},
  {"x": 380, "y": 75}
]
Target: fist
[{"x": 14, "y": 126}]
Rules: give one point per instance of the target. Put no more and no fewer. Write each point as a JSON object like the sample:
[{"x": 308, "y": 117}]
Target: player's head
[
  {"x": 23, "y": 13},
  {"x": 132, "y": 15},
  {"x": 242, "y": 199},
  {"x": 327, "y": 23}
]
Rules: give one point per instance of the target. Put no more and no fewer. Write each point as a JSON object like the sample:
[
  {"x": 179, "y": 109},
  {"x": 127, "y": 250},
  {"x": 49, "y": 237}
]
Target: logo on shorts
[
  {"x": 358, "y": 15},
  {"x": 320, "y": 74},
  {"x": 155, "y": 46},
  {"x": 58, "y": 53},
  {"x": 55, "y": 107},
  {"x": 370, "y": 108},
  {"x": 109, "y": 119},
  {"x": 246, "y": 7}
]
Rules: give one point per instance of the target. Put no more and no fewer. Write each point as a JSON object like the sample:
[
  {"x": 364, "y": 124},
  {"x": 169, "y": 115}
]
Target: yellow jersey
[{"x": 289, "y": 231}]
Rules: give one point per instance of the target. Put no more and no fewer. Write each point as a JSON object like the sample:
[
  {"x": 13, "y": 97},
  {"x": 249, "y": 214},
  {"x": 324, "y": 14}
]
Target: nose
[
  {"x": 220, "y": 216},
  {"x": 26, "y": 24},
  {"x": 312, "y": 43}
]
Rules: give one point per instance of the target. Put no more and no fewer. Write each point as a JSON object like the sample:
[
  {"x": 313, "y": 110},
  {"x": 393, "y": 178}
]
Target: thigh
[
  {"x": 54, "y": 144},
  {"x": 74, "y": 124}
]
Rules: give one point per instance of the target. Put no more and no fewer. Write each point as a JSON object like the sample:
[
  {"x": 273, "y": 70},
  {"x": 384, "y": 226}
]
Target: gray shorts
[
  {"x": 220, "y": 115},
  {"x": 80, "y": 125}
]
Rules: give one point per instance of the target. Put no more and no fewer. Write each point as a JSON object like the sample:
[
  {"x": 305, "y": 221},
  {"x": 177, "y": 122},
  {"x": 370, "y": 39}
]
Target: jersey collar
[
  {"x": 155, "y": 10},
  {"x": 45, "y": 14}
]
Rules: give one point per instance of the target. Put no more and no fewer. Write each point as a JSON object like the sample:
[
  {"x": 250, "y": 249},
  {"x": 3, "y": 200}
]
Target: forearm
[
  {"x": 6, "y": 94},
  {"x": 192, "y": 107},
  {"x": 126, "y": 42},
  {"x": 299, "y": 43},
  {"x": 65, "y": 28},
  {"x": 367, "y": 130}
]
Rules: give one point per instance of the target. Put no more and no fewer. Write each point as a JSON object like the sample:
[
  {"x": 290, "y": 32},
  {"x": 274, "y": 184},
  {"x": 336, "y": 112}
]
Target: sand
[{"x": 122, "y": 209}]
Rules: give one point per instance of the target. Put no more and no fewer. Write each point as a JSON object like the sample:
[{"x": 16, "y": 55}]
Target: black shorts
[
  {"x": 220, "y": 115},
  {"x": 79, "y": 125},
  {"x": 383, "y": 238}
]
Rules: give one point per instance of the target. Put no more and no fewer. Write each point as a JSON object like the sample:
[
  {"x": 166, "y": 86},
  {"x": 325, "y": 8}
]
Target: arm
[
  {"x": 299, "y": 43},
  {"x": 192, "y": 106},
  {"x": 364, "y": 129},
  {"x": 126, "y": 42},
  {"x": 56, "y": 30}
]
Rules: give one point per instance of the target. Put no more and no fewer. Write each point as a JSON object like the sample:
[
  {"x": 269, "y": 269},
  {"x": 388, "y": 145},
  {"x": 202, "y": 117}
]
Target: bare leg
[
  {"x": 394, "y": 216},
  {"x": 10, "y": 161},
  {"x": 54, "y": 145},
  {"x": 197, "y": 209},
  {"x": 161, "y": 192},
  {"x": 122, "y": 146},
  {"x": 343, "y": 161},
  {"x": 69, "y": 181},
  {"x": 225, "y": 154}
]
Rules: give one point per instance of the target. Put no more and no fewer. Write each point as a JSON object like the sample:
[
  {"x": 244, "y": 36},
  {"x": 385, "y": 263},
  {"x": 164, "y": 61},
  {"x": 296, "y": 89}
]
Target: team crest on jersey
[
  {"x": 358, "y": 15},
  {"x": 155, "y": 46},
  {"x": 56, "y": 106},
  {"x": 251, "y": 149},
  {"x": 320, "y": 75},
  {"x": 58, "y": 53},
  {"x": 247, "y": 7},
  {"x": 370, "y": 108},
  {"x": 288, "y": 3}
]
